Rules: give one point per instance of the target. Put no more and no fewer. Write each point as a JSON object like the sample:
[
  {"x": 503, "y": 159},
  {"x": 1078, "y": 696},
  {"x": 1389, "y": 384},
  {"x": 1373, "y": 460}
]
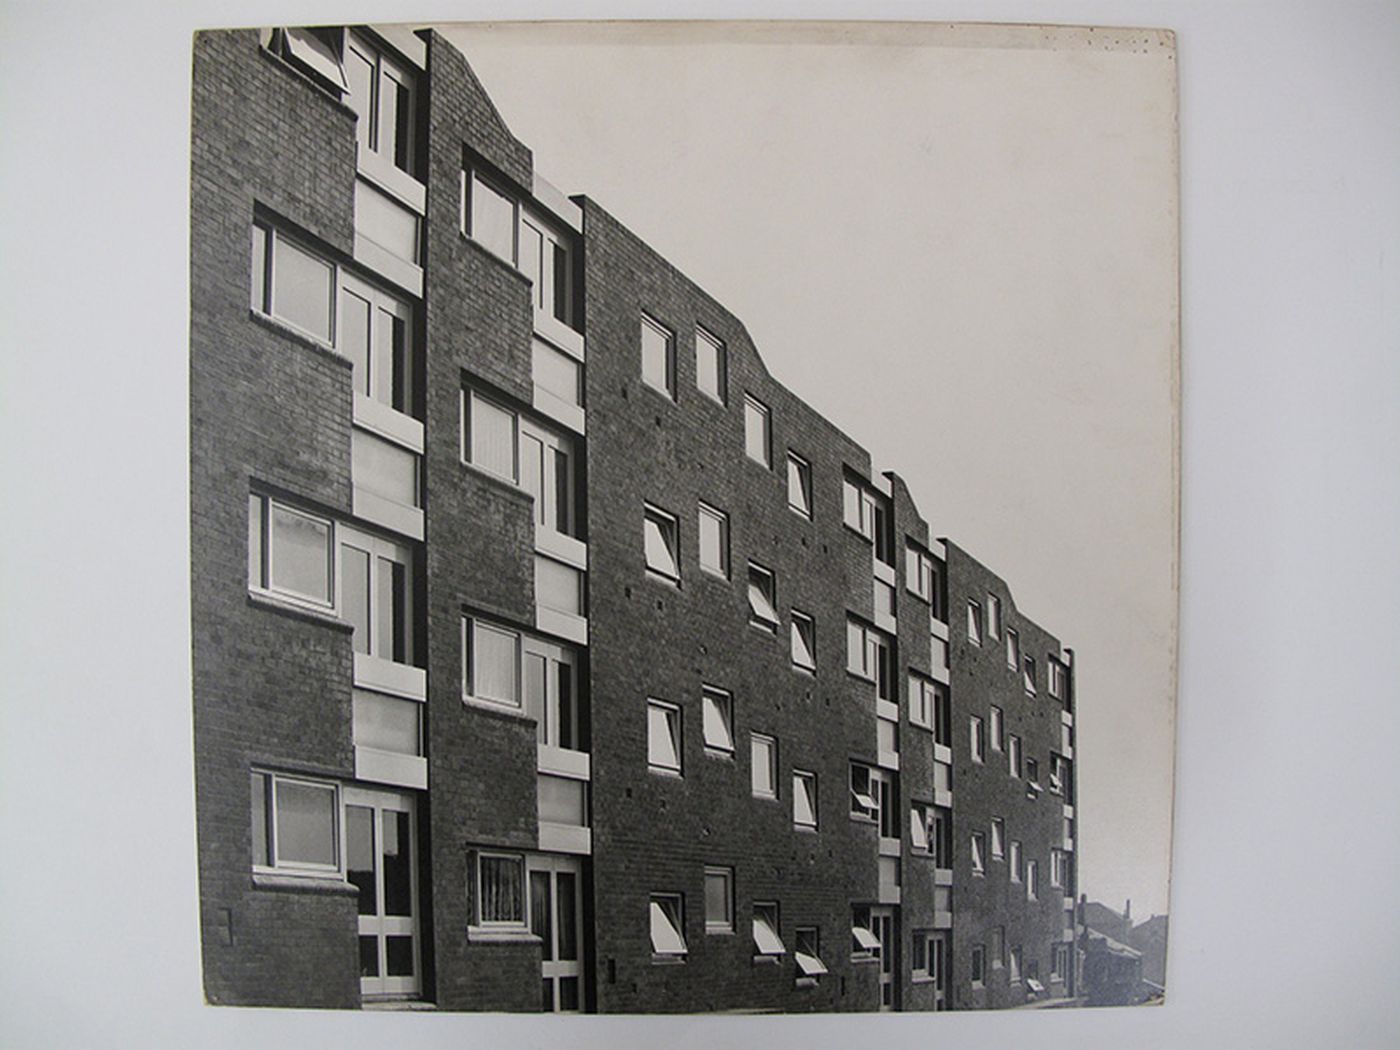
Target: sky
[{"x": 960, "y": 245}]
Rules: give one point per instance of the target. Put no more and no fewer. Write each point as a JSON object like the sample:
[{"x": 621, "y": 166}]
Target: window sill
[
  {"x": 720, "y": 753},
  {"x": 518, "y": 714},
  {"x": 499, "y": 260},
  {"x": 320, "y": 617},
  {"x": 805, "y": 982},
  {"x": 857, "y": 959},
  {"x": 655, "y": 576},
  {"x": 767, "y": 960},
  {"x": 488, "y": 935},
  {"x": 505, "y": 483},
  {"x": 719, "y": 931},
  {"x": 768, "y": 627},
  {"x": 667, "y": 960},
  {"x": 306, "y": 339},
  {"x": 674, "y": 774},
  {"x": 321, "y": 884},
  {"x": 918, "y": 979},
  {"x": 810, "y": 829},
  {"x": 810, "y": 672}
]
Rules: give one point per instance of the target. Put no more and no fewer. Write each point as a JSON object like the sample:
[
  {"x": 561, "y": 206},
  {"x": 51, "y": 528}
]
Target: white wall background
[{"x": 1288, "y": 828}]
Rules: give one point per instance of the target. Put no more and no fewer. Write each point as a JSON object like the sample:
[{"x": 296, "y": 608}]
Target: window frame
[
  {"x": 756, "y": 409},
  {"x": 1014, "y": 756},
  {"x": 271, "y": 826},
  {"x": 262, "y": 557},
  {"x": 975, "y": 624},
  {"x": 977, "y": 739},
  {"x": 470, "y": 623},
  {"x": 977, "y": 966},
  {"x": 864, "y": 805},
  {"x": 720, "y": 520},
  {"x": 721, "y": 353},
  {"x": 668, "y": 528},
  {"x": 978, "y": 852},
  {"x": 998, "y": 839},
  {"x": 1015, "y": 860},
  {"x": 993, "y": 622},
  {"x": 722, "y": 702},
  {"x": 668, "y": 362},
  {"x": 804, "y": 625},
  {"x": 1028, "y": 674},
  {"x": 996, "y": 728},
  {"x": 922, "y": 712},
  {"x": 756, "y": 576},
  {"x": 726, "y": 924},
  {"x": 806, "y": 952},
  {"x": 675, "y": 919},
  {"x": 522, "y": 925},
  {"x": 804, "y": 786},
  {"x": 1013, "y": 649},
  {"x": 768, "y": 914},
  {"x": 755, "y": 739},
  {"x": 673, "y": 721},
  {"x": 799, "y": 471},
  {"x": 470, "y": 396},
  {"x": 473, "y": 175}
]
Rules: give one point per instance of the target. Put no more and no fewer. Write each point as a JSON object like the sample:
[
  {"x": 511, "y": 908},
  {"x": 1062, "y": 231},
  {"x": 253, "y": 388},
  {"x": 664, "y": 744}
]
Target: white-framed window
[
  {"x": 500, "y": 891},
  {"x": 942, "y": 716},
  {"x": 667, "y": 911},
  {"x": 714, "y": 540},
  {"x": 858, "y": 508},
  {"x": 870, "y": 655},
  {"x": 974, "y": 622},
  {"x": 1032, "y": 880},
  {"x": 291, "y": 553},
  {"x": 490, "y": 216},
  {"x": 316, "y": 51},
  {"x": 1061, "y": 774},
  {"x": 663, "y": 737},
  {"x": 998, "y": 947},
  {"x": 763, "y": 598},
  {"x": 993, "y": 616},
  {"x": 1013, "y": 755},
  {"x": 376, "y": 595},
  {"x": 1059, "y": 962},
  {"x": 920, "y": 827},
  {"x": 977, "y": 739},
  {"x": 1014, "y": 866},
  {"x": 767, "y": 939},
  {"x": 717, "y": 718},
  {"x": 758, "y": 437},
  {"x": 864, "y": 943},
  {"x": 295, "y": 824},
  {"x": 807, "y": 954},
  {"x": 491, "y": 663},
  {"x": 979, "y": 853},
  {"x": 918, "y": 572},
  {"x": 547, "y": 473},
  {"x": 977, "y": 965},
  {"x": 382, "y": 93},
  {"x": 1033, "y": 774},
  {"x": 374, "y": 330},
  {"x": 763, "y": 764},
  {"x": 489, "y": 436},
  {"x": 1028, "y": 674},
  {"x": 658, "y": 356},
  {"x": 719, "y": 900},
  {"x": 1015, "y": 964},
  {"x": 804, "y": 641},
  {"x": 799, "y": 478},
  {"x": 1013, "y": 650},
  {"x": 1057, "y": 676},
  {"x": 546, "y": 258},
  {"x": 941, "y": 836},
  {"x": 1059, "y": 867},
  {"x": 661, "y": 543},
  {"x": 804, "y": 799},
  {"x": 864, "y": 802},
  {"x": 925, "y": 962},
  {"x": 558, "y": 586},
  {"x": 293, "y": 284},
  {"x": 883, "y": 597},
  {"x": 711, "y": 366},
  {"x": 923, "y": 699},
  {"x": 998, "y": 838}
]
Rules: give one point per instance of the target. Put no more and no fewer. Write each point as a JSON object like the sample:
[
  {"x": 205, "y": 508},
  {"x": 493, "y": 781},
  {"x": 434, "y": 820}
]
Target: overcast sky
[{"x": 958, "y": 244}]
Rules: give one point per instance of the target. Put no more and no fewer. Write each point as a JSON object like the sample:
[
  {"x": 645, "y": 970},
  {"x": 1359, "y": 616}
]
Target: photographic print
[{"x": 684, "y": 515}]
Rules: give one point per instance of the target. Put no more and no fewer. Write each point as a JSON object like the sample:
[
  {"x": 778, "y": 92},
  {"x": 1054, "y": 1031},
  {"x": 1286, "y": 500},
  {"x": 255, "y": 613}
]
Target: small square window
[
  {"x": 658, "y": 357},
  {"x": 763, "y": 753},
  {"x": 667, "y": 926},
  {"x": 663, "y": 737},
  {"x": 711, "y": 366},
  {"x": 974, "y": 622},
  {"x": 492, "y": 665},
  {"x": 993, "y": 616},
  {"x": 757, "y": 435},
  {"x": 661, "y": 541},
  {"x": 979, "y": 853},
  {"x": 804, "y": 799},
  {"x": 489, "y": 437},
  {"x": 500, "y": 889},
  {"x": 799, "y": 485},
  {"x": 767, "y": 938},
  {"x": 295, "y": 823},
  {"x": 719, "y": 900},
  {"x": 763, "y": 598},
  {"x": 977, "y": 739},
  {"x": 998, "y": 838},
  {"x": 290, "y": 552},
  {"x": 804, "y": 641},
  {"x": 491, "y": 218},
  {"x": 718, "y": 719},
  {"x": 714, "y": 541}
]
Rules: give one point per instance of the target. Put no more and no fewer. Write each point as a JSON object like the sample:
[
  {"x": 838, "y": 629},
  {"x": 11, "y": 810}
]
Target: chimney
[{"x": 1128, "y": 910}]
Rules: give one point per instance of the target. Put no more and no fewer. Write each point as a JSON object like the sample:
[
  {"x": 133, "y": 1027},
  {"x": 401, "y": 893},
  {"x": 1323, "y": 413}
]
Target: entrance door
[
  {"x": 555, "y": 883},
  {"x": 382, "y": 862},
  {"x": 882, "y": 925}
]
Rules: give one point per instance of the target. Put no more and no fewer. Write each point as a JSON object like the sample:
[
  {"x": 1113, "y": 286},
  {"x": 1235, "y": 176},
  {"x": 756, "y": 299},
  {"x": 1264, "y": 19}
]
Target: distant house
[
  {"x": 1123, "y": 964},
  {"x": 1150, "y": 938}
]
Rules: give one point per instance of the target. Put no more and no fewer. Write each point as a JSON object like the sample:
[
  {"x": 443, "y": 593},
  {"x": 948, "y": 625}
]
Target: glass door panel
[
  {"x": 554, "y": 918},
  {"x": 381, "y": 862}
]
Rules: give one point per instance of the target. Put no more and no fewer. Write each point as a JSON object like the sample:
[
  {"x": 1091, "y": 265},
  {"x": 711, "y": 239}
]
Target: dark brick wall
[
  {"x": 981, "y": 678},
  {"x": 271, "y": 410}
]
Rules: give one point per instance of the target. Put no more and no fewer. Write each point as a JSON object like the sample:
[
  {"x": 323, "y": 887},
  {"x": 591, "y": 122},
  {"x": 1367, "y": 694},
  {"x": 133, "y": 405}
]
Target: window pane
[
  {"x": 762, "y": 755},
  {"x": 387, "y": 723},
  {"x": 384, "y": 468},
  {"x": 494, "y": 662},
  {"x": 359, "y": 75},
  {"x": 666, "y": 935},
  {"x": 492, "y": 445},
  {"x": 804, "y": 803},
  {"x": 756, "y": 431},
  {"x": 662, "y": 744},
  {"x": 799, "y": 486},
  {"x": 557, "y": 373},
  {"x": 501, "y": 890},
  {"x": 386, "y": 222},
  {"x": 717, "y": 899},
  {"x": 558, "y": 586},
  {"x": 305, "y": 824},
  {"x": 658, "y": 357},
  {"x": 713, "y": 541},
  {"x": 394, "y": 640},
  {"x": 531, "y": 258},
  {"x": 568, "y": 920},
  {"x": 302, "y": 289},
  {"x": 301, "y": 554},
  {"x": 540, "y": 916},
  {"x": 493, "y": 220},
  {"x": 716, "y": 708},
  {"x": 660, "y": 545},
  {"x": 761, "y": 588},
  {"x": 709, "y": 364},
  {"x": 369, "y": 956},
  {"x": 396, "y": 853},
  {"x": 259, "y": 814},
  {"x": 354, "y": 594},
  {"x": 802, "y": 638},
  {"x": 398, "y": 956},
  {"x": 354, "y": 341},
  {"x": 562, "y": 801}
]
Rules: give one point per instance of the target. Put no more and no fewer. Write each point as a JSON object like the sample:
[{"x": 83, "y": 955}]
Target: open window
[{"x": 667, "y": 911}]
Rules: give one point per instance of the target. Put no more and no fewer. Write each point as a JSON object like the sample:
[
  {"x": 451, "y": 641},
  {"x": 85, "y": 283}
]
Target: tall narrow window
[
  {"x": 714, "y": 541},
  {"x": 998, "y": 838},
  {"x": 1028, "y": 674},
  {"x": 804, "y": 641},
  {"x": 757, "y": 438},
  {"x": 718, "y": 719},
  {"x": 1013, "y": 754},
  {"x": 1013, "y": 649},
  {"x": 998, "y": 729},
  {"x": 804, "y": 799},
  {"x": 767, "y": 939},
  {"x": 1013, "y": 867},
  {"x": 661, "y": 543},
  {"x": 993, "y": 616},
  {"x": 977, "y": 739},
  {"x": 979, "y": 853},
  {"x": 763, "y": 597},
  {"x": 663, "y": 737},
  {"x": 547, "y": 473},
  {"x": 763, "y": 752},
  {"x": 974, "y": 622},
  {"x": 719, "y": 900},
  {"x": 977, "y": 967},
  {"x": 799, "y": 485},
  {"x": 711, "y": 366},
  {"x": 667, "y": 911},
  {"x": 382, "y": 95},
  {"x": 1032, "y": 880},
  {"x": 658, "y": 357}
]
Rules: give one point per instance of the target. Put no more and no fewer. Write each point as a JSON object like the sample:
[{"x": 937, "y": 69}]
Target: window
[
  {"x": 804, "y": 641},
  {"x": 558, "y": 586},
  {"x": 865, "y": 803},
  {"x": 884, "y": 598},
  {"x": 500, "y": 889},
  {"x": 1013, "y": 755},
  {"x": 977, "y": 740},
  {"x": 1028, "y": 675},
  {"x": 711, "y": 366},
  {"x": 993, "y": 616},
  {"x": 804, "y": 799},
  {"x": 658, "y": 357},
  {"x": 492, "y": 666},
  {"x": 489, "y": 437},
  {"x": 998, "y": 838},
  {"x": 974, "y": 622},
  {"x": 942, "y": 716},
  {"x": 1015, "y": 964},
  {"x": 1013, "y": 649},
  {"x": 998, "y": 729},
  {"x": 663, "y": 737},
  {"x": 290, "y": 552},
  {"x": 1014, "y": 865},
  {"x": 1061, "y": 774},
  {"x": 556, "y": 372},
  {"x": 667, "y": 927},
  {"x": 293, "y": 285},
  {"x": 767, "y": 941},
  {"x": 923, "y": 698},
  {"x": 661, "y": 542},
  {"x": 314, "y": 51},
  {"x": 546, "y": 259},
  {"x": 295, "y": 825},
  {"x": 490, "y": 216},
  {"x": 1033, "y": 773},
  {"x": 807, "y": 952},
  {"x": 718, "y": 720},
  {"x": 376, "y": 595},
  {"x": 864, "y": 943},
  {"x": 719, "y": 900},
  {"x": 1058, "y": 675},
  {"x": 799, "y": 485},
  {"x": 714, "y": 541},
  {"x": 920, "y": 828},
  {"x": 870, "y": 655},
  {"x": 979, "y": 853},
  {"x": 998, "y": 947},
  {"x": 757, "y": 426},
  {"x": 763, "y": 754},
  {"x": 977, "y": 967},
  {"x": 918, "y": 573},
  {"x": 763, "y": 598},
  {"x": 941, "y": 836},
  {"x": 381, "y": 93},
  {"x": 547, "y": 473},
  {"x": 1059, "y": 868},
  {"x": 1059, "y": 963},
  {"x": 923, "y": 964}
]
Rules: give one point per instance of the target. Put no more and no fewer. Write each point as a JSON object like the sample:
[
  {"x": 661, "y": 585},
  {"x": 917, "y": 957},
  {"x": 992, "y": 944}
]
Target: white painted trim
[
  {"x": 405, "y": 41},
  {"x": 384, "y": 175},
  {"x": 887, "y": 709},
  {"x": 889, "y": 893},
  {"x": 939, "y": 674},
  {"x": 556, "y": 203},
  {"x": 387, "y": 513},
  {"x": 884, "y": 572},
  {"x": 390, "y": 767},
  {"x": 943, "y": 753},
  {"x": 887, "y": 760},
  {"x": 886, "y": 622},
  {"x": 560, "y": 411},
  {"x": 562, "y": 625},
  {"x": 937, "y": 628},
  {"x": 1069, "y": 811},
  {"x": 942, "y": 920},
  {"x": 388, "y": 423},
  {"x": 385, "y": 676},
  {"x": 562, "y": 762},
  {"x": 889, "y": 847},
  {"x": 388, "y": 266},
  {"x": 943, "y": 798},
  {"x": 942, "y": 876},
  {"x": 559, "y": 335},
  {"x": 566, "y": 838},
  {"x": 939, "y": 549},
  {"x": 561, "y": 548},
  {"x": 881, "y": 483}
]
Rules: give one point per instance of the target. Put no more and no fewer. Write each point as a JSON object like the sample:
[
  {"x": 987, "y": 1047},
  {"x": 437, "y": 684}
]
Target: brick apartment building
[{"x": 548, "y": 652}]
